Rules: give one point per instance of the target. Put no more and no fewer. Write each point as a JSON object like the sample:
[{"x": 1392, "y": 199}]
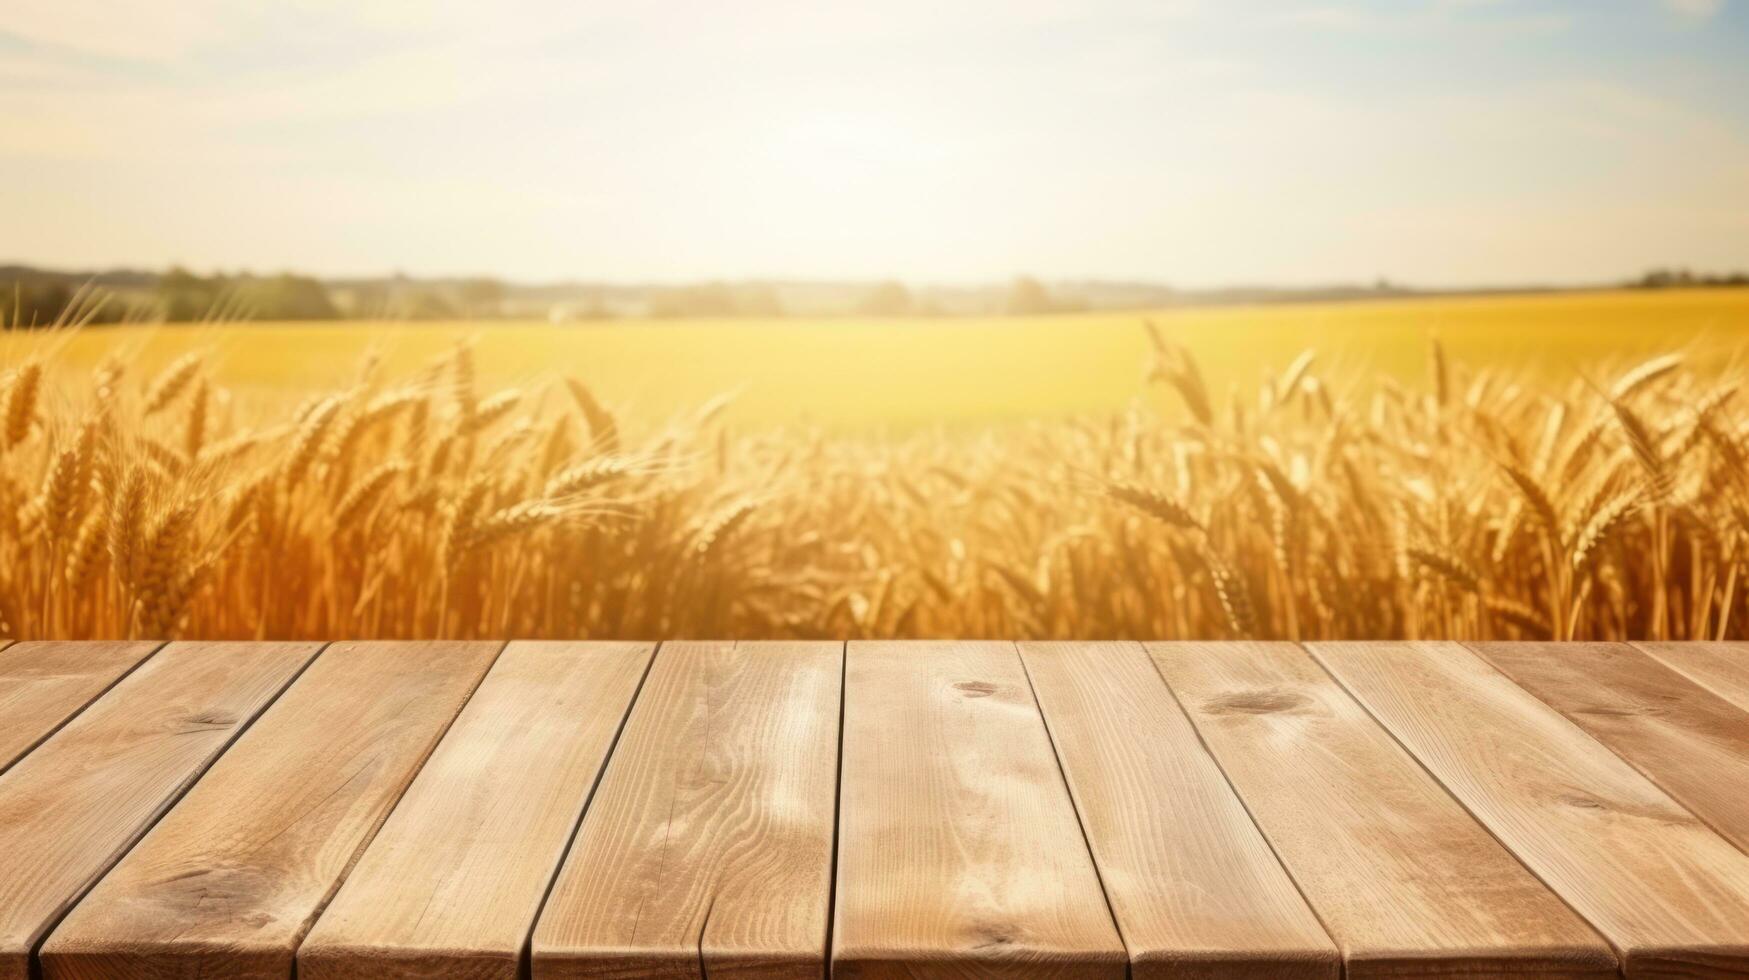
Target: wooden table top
[{"x": 876, "y": 810}]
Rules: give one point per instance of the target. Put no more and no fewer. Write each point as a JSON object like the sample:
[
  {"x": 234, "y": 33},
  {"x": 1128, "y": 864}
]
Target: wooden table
[{"x": 879, "y": 811}]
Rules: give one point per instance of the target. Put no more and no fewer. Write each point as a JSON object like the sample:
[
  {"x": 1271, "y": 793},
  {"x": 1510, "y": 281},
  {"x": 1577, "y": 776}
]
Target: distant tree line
[
  {"x": 42, "y": 303},
  {"x": 180, "y": 296},
  {"x": 1025, "y": 296},
  {"x": 38, "y": 297},
  {"x": 43, "y": 297},
  {"x": 401, "y": 298},
  {"x": 183, "y": 296},
  {"x": 1679, "y": 278},
  {"x": 715, "y": 299}
]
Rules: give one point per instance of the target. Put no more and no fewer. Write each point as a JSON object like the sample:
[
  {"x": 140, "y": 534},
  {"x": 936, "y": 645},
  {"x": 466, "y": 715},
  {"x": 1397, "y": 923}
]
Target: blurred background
[
  {"x": 1034, "y": 318},
  {"x": 1353, "y": 175}
]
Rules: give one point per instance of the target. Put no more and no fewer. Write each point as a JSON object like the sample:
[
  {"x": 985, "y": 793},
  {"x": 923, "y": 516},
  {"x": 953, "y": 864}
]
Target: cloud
[
  {"x": 147, "y": 32},
  {"x": 1695, "y": 9},
  {"x": 1439, "y": 17},
  {"x": 1125, "y": 137}
]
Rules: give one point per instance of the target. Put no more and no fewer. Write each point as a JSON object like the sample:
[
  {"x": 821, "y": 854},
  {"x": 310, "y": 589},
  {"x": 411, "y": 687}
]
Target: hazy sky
[{"x": 1190, "y": 141}]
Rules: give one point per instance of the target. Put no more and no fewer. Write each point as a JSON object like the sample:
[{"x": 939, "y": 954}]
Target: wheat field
[
  {"x": 418, "y": 502},
  {"x": 866, "y": 374}
]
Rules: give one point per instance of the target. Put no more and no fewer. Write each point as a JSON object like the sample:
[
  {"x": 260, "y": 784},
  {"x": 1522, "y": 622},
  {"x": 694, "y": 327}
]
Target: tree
[
  {"x": 482, "y": 297},
  {"x": 424, "y": 304},
  {"x": 1029, "y": 297},
  {"x": 889, "y": 298},
  {"x": 184, "y": 296},
  {"x": 288, "y": 297},
  {"x": 36, "y": 304},
  {"x": 702, "y": 299},
  {"x": 369, "y": 301},
  {"x": 757, "y": 299}
]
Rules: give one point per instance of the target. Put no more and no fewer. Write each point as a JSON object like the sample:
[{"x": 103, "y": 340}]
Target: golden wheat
[{"x": 1320, "y": 507}]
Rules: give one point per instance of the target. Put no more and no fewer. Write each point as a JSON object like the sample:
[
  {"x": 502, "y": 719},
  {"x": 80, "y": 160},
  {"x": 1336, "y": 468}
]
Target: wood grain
[
  {"x": 959, "y": 852},
  {"x": 1722, "y": 668},
  {"x": 1405, "y": 881},
  {"x": 1671, "y": 895},
  {"x": 1196, "y": 891},
  {"x": 44, "y": 683},
  {"x": 707, "y": 849},
  {"x": 228, "y": 882},
  {"x": 451, "y": 884},
  {"x": 1689, "y": 741},
  {"x": 69, "y": 809}
]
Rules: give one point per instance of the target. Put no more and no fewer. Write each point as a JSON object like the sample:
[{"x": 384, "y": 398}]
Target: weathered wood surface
[
  {"x": 44, "y": 684},
  {"x": 457, "y": 874},
  {"x": 1193, "y": 885},
  {"x": 72, "y": 807},
  {"x": 228, "y": 882},
  {"x": 959, "y": 852},
  {"x": 1404, "y": 879},
  {"x": 880, "y": 811},
  {"x": 1671, "y": 895},
  {"x": 708, "y": 848},
  {"x": 1722, "y": 668},
  {"x": 1689, "y": 741}
]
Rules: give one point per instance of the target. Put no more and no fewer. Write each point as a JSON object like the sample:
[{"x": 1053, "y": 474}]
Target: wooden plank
[
  {"x": 44, "y": 683},
  {"x": 959, "y": 852},
  {"x": 1722, "y": 668},
  {"x": 1405, "y": 881},
  {"x": 451, "y": 885},
  {"x": 228, "y": 882},
  {"x": 69, "y": 809},
  {"x": 1671, "y": 895},
  {"x": 1689, "y": 741},
  {"x": 1196, "y": 891},
  {"x": 708, "y": 847}
]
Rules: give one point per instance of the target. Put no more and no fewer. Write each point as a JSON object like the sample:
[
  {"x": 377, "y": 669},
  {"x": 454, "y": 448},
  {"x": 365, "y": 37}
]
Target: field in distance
[{"x": 856, "y": 373}]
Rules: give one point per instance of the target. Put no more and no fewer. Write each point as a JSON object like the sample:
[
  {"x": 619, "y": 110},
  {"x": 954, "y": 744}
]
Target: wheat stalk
[{"x": 1499, "y": 503}]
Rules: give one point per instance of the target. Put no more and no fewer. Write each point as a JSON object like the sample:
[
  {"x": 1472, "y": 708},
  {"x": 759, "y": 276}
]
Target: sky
[{"x": 1192, "y": 142}]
